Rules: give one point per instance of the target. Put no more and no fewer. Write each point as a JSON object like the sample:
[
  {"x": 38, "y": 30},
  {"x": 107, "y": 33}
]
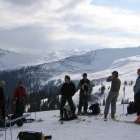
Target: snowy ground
[{"x": 93, "y": 128}]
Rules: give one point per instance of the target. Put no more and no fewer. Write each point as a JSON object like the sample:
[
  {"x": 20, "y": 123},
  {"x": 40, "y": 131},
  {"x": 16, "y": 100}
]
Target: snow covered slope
[
  {"x": 11, "y": 60},
  {"x": 127, "y": 68},
  {"x": 98, "y": 64},
  {"x": 93, "y": 128}
]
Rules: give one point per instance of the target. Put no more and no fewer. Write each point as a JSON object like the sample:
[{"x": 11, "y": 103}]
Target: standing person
[
  {"x": 2, "y": 101},
  {"x": 85, "y": 88},
  {"x": 113, "y": 95},
  {"x": 68, "y": 89},
  {"x": 137, "y": 94},
  {"x": 19, "y": 99}
]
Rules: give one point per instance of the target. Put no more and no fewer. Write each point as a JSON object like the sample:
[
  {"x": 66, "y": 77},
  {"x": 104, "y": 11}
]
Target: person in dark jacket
[
  {"x": 113, "y": 95},
  {"x": 68, "y": 89},
  {"x": 137, "y": 93},
  {"x": 2, "y": 101},
  {"x": 84, "y": 86}
]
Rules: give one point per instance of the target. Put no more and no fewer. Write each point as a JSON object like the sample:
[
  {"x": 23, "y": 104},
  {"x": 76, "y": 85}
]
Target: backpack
[
  {"x": 95, "y": 109},
  {"x": 26, "y": 135},
  {"x": 131, "y": 108},
  {"x": 67, "y": 114}
]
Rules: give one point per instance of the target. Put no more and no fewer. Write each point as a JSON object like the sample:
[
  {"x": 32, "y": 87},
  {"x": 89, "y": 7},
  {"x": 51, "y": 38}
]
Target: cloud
[
  {"x": 21, "y": 2},
  {"x": 40, "y": 24},
  {"x": 102, "y": 25},
  {"x": 108, "y": 18},
  {"x": 29, "y": 39}
]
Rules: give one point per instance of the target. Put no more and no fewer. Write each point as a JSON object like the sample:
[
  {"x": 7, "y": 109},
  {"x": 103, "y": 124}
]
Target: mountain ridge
[{"x": 91, "y": 62}]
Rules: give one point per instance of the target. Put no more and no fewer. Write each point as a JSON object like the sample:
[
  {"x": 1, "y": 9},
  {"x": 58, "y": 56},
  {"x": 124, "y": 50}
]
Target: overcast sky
[{"x": 39, "y": 26}]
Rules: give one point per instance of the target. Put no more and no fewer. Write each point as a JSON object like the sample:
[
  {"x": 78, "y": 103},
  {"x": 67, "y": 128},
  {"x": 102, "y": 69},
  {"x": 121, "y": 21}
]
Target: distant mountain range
[
  {"x": 37, "y": 77},
  {"x": 10, "y": 60}
]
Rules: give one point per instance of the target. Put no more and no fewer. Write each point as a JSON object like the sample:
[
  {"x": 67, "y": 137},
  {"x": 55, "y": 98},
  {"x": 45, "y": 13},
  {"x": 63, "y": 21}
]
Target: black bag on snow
[
  {"x": 25, "y": 135},
  {"x": 131, "y": 108},
  {"x": 95, "y": 109}
]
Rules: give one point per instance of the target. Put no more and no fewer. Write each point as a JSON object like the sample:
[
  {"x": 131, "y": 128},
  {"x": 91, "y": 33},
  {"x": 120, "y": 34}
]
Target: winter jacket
[
  {"x": 115, "y": 84},
  {"x": 84, "y": 86},
  {"x": 2, "y": 98},
  {"x": 68, "y": 89},
  {"x": 19, "y": 99},
  {"x": 137, "y": 86},
  {"x": 20, "y": 94},
  {"x": 2, "y": 104}
]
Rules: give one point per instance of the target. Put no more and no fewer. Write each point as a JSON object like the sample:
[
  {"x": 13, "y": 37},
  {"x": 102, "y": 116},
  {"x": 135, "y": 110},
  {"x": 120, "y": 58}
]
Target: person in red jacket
[{"x": 19, "y": 99}]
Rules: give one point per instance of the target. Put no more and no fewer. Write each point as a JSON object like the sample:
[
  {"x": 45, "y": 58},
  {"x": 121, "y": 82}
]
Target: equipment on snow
[
  {"x": 131, "y": 108},
  {"x": 28, "y": 135},
  {"x": 67, "y": 114},
  {"x": 12, "y": 121},
  {"x": 94, "y": 109}
]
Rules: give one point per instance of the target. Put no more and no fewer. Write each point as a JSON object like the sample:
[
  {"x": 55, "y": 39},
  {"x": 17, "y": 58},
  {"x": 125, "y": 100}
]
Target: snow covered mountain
[
  {"x": 127, "y": 68},
  {"x": 11, "y": 60},
  {"x": 98, "y": 64}
]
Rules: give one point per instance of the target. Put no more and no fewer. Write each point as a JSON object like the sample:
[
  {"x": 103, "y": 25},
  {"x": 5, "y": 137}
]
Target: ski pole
[
  {"x": 5, "y": 128},
  {"x": 123, "y": 99},
  {"x": 11, "y": 129}
]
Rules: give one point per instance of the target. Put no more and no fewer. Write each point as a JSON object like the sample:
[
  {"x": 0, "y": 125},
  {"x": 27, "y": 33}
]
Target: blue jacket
[{"x": 137, "y": 86}]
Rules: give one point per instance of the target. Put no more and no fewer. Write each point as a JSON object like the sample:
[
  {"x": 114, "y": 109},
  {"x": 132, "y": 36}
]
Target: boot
[
  {"x": 113, "y": 117},
  {"x": 105, "y": 117}
]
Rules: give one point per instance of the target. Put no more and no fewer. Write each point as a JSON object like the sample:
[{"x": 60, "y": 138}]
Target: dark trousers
[
  {"x": 2, "y": 113},
  {"x": 20, "y": 107},
  {"x": 137, "y": 103},
  {"x": 68, "y": 99},
  {"x": 83, "y": 102}
]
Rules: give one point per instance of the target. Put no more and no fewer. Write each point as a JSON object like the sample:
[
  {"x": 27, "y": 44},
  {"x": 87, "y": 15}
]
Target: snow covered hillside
[
  {"x": 126, "y": 67},
  {"x": 11, "y": 60},
  {"x": 98, "y": 64},
  {"x": 84, "y": 128},
  {"x": 92, "y": 61}
]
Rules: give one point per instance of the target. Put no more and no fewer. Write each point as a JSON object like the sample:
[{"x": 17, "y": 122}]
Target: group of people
[
  {"x": 69, "y": 89},
  {"x": 18, "y": 101},
  {"x": 67, "y": 92}
]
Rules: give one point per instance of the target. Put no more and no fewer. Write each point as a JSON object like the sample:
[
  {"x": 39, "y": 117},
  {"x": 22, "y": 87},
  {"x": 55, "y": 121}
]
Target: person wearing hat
[
  {"x": 2, "y": 101},
  {"x": 85, "y": 88},
  {"x": 113, "y": 95}
]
